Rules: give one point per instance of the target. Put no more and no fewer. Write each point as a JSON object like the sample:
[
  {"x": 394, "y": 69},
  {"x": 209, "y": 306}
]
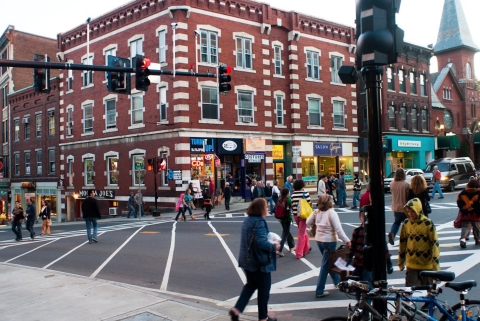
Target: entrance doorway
[
  {"x": 279, "y": 173},
  {"x": 404, "y": 163}
]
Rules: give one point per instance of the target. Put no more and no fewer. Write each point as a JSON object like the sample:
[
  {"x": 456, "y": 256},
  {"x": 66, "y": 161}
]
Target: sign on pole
[{"x": 296, "y": 151}]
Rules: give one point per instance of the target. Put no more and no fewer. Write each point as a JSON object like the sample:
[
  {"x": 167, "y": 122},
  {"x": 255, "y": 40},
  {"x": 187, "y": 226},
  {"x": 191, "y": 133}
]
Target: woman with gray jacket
[{"x": 399, "y": 189}]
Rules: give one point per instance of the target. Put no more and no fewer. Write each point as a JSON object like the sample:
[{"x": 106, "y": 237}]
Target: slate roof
[
  {"x": 454, "y": 31},
  {"x": 435, "y": 101}
]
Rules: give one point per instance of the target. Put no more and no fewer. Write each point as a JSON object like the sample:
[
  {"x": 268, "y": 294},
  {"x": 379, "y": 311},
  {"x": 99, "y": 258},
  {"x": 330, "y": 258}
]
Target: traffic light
[
  {"x": 118, "y": 81},
  {"x": 141, "y": 72},
  {"x": 41, "y": 76},
  {"x": 151, "y": 162},
  {"x": 224, "y": 79},
  {"x": 379, "y": 40},
  {"x": 161, "y": 164}
]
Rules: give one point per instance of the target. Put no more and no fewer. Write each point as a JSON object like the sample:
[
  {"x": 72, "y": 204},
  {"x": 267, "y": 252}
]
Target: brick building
[{"x": 285, "y": 93}]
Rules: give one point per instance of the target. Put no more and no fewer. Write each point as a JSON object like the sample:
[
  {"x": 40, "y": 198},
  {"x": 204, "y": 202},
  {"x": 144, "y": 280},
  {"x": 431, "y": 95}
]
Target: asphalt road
[{"x": 198, "y": 259}]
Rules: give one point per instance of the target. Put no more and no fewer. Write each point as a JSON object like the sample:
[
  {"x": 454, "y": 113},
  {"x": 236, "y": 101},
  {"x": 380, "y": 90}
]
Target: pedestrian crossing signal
[{"x": 118, "y": 81}]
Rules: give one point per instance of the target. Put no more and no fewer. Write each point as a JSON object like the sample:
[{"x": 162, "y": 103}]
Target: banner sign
[
  {"x": 254, "y": 145},
  {"x": 202, "y": 145},
  {"x": 101, "y": 193},
  {"x": 327, "y": 149}
]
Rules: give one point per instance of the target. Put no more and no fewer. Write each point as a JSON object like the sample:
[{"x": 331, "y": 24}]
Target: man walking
[
  {"x": 139, "y": 202},
  {"x": 288, "y": 184},
  {"x": 17, "y": 221},
  {"x": 131, "y": 206},
  {"x": 357, "y": 188},
  {"x": 436, "y": 177},
  {"x": 341, "y": 188},
  {"x": 268, "y": 196},
  {"x": 331, "y": 187},
  {"x": 321, "y": 186},
  {"x": 31, "y": 218},
  {"x": 91, "y": 212},
  {"x": 227, "y": 193}
]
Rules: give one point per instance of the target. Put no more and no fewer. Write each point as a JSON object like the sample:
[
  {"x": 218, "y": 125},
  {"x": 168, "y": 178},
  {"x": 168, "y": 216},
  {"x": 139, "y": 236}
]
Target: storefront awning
[
  {"x": 448, "y": 142},
  {"x": 476, "y": 138}
]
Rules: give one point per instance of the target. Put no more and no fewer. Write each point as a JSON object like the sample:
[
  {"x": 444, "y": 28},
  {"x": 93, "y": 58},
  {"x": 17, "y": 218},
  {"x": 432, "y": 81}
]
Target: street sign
[
  {"x": 139, "y": 166},
  {"x": 177, "y": 175},
  {"x": 296, "y": 151}
]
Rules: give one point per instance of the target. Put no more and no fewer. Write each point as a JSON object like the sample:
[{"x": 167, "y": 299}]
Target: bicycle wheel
[
  {"x": 471, "y": 306},
  {"x": 335, "y": 319}
]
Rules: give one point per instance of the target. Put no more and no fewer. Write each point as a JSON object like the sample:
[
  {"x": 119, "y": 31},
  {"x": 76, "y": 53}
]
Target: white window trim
[
  {"x": 209, "y": 28},
  {"x": 344, "y": 101},
  {"x": 161, "y": 85},
  {"x": 105, "y": 99},
  {"x": 337, "y": 55},
  {"x": 90, "y": 55},
  {"x": 87, "y": 102},
  {"x": 69, "y": 75},
  {"x": 213, "y": 85},
  {"x": 132, "y": 169},
  {"x": 137, "y": 151},
  {"x": 280, "y": 45},
  {"x": 107, "y": 156},
  {"x": 314, "y": 50},
  {"x": 162, "y": 28},
  {"x": 85, "y": 170},
  {"x": 130, "y": 110}
]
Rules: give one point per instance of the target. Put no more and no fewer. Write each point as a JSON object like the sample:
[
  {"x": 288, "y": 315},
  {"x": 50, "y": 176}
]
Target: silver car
[{"x": 409, "y": 174}]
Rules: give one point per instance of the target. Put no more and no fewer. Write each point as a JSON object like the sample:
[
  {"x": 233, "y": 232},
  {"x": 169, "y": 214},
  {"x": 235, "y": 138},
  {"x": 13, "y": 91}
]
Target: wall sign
[
  {"x": 254, "y": 145},
  {"x": 327, "y": 149},
  {"x": 229, "y": 146},
  {"x": 277, "y": 152},
  {"x": 202, "y": 145},
  {"x": 101, "y": 193},
  {"x": 31, "y": 185},
  {"x": 177, "y": 175},
  {"x": 254, "y": 158},
  {"x": 409, "y": 143},
  {"x": 197, "y": 163}
]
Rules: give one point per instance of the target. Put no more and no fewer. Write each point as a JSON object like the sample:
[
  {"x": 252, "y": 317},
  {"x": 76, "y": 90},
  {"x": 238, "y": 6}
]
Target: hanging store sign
[
  {"x": 254, "y": 145},
  {"x": 227, "y": 146},
  {"x": 202, "y": 145},
  {"x": 30, "y": 185},
  {"x": 327, "y": 149},
  {"x": 254, "y": 158}
]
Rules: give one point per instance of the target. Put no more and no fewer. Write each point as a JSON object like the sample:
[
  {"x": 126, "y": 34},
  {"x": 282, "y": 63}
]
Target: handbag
[
  {"x": 49, "y": 222},
  {"x": 428, "y": 209},
  {"x": 255, "y": 255},
  {"x": 313, "y": 228},
  {"x": 458, "y": 221},
  {"x": 305, "y": 209},
  {"x": 333, "y": 256}
]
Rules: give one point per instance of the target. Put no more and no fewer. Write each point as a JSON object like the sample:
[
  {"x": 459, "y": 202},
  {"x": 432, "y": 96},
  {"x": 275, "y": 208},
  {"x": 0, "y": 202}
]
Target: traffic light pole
[{"x": 155, "y": 170}]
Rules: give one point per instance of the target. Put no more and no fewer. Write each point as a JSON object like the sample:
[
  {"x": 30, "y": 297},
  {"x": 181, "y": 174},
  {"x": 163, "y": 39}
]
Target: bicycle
[{"x": 405, "y": 308}]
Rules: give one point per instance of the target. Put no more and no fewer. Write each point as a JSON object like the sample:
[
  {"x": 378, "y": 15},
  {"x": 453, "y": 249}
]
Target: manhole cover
[{"x": 145, "y": 316}]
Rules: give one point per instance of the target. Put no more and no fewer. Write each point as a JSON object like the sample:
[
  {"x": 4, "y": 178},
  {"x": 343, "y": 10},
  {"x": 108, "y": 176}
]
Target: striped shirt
[{"x": 296, "y": 197}]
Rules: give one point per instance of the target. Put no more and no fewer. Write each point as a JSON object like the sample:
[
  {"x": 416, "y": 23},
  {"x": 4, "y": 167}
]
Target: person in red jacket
[{"x": 365, "y": 199}]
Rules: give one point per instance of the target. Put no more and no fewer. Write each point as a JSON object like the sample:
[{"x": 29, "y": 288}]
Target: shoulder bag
[
  {"x": 458, "y": 221},
  {"x": 304, "y": 208},
  {"x": 255, "y": 255}
]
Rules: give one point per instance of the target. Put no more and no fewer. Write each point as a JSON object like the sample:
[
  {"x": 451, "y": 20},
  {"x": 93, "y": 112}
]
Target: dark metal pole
[
  {"x": 155, "y": 180},
  {"x": 372, "y": 75}
]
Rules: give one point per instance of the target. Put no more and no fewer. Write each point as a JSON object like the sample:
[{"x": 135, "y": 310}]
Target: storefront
[
  {"x": 37, "y": 192},
  {"x": 203, "y": 160},
  {"x": 282, "y": 162},
  {"x": 409, "y": 152},
  {"x": 230, "y": 152},
  {"x": 4, "y": 190},
  {"x": 254, "y": 162}
]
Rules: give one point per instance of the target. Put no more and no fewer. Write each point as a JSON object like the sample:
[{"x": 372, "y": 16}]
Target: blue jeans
[
  {"x": 342, "y": 197},
  {"x": 256, "y": 281},
  {"x": 399, "y": 218},
  {"x": 436, "y": 187},
  {"x": 89, "y": 221},
  {"x": 270, "y": 204},
  {"x": 29, "y": 225},
  {"x": 324, "y": 248},
  {"x": 185, "y": 208},
  {"x": 131, "y": 209},
  {"x": 17, "y": 229},
  {"x": 356, "y": 196}
]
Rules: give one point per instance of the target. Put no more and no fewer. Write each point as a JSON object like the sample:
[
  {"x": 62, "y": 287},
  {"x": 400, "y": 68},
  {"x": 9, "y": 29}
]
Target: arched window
[
  {"x": 403, "y": 117},
  {"x": 468, "y": 70},
  {"x": 391, "y": 116},
  {"x": 414, "y": 119}
]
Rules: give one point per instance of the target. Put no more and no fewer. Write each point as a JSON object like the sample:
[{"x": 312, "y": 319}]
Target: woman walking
[
  {"x": 399, "y": 188},
  {"x": 188, "y": 204},
  {"x": 328, "y": 227},
  {"x": 255, "y": 230},
  {"x": 418, "y": 189},
  {"x": 469, "y": 206},
  {"x": 45, "y": 216},
  {"x": 31, "y": 212},
  {"x": 207, "y": 203},
  {"x": 286, "y": 202},
  {"x": 303, "y": 245}
]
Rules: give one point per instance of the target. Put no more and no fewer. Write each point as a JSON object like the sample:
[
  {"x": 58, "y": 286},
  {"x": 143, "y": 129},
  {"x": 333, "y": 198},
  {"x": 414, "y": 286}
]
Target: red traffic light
[
  {"x": 145, "y": 63},
  {"x": 224, "y": 70},
  {"x": 162, "y": 164}
]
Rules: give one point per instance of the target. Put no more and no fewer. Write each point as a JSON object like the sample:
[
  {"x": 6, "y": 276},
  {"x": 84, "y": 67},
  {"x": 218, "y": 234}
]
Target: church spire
[{"x": 454, "y": 32}]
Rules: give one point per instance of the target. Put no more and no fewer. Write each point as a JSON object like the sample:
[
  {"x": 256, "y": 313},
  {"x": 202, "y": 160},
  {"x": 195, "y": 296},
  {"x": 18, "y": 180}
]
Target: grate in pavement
[{"x": 145, "y": 316}]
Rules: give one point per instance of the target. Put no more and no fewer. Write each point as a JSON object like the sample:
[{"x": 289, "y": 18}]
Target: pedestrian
[
  {"x": 357, "y": 189},
  {"x": 180, "y": 208},
  {"x": 321, "y": 186},
  {"x": 188, "y": 204},
  {"x": 418, "y": 189},
  {"x": 328, "y": 226},
  {"x": 91, "y": 212},
  {"x": 18, "y": 217},
  {"x": 131, "y": 206},
  {"x": 253, "y": 186},
  {"x": 365, "y": 199},
  {"x": 31, "y": 213},
  {"x": 45, "y": 215},
  {"x": 275, "y": 194},
  {"x": 227, "y": 193},
  {"x": 255, "y": 229},
  {"x": 288, "y": 184},
  {"x": 231, "y": 180},
  {"x": 342, "y": 190},
  {"x": 139, "y": 201},
  {"x": 268, "y": 197},
  {"x": 303, "y": 244},
  {"x": 468, "y": 202},
  {"x": 286, "y": 202},
  {"x": 399, "y": 189},
  {"x": 211, "y": 189},
  {"x": 258, "y": 191},
  {"x": 207, "y": 202},
  {"x": 436, "y": 178},
  {"x": 332, "y": 187},
  {"x": 419, "y": 249},
  {"x": 261, "y": 192}
]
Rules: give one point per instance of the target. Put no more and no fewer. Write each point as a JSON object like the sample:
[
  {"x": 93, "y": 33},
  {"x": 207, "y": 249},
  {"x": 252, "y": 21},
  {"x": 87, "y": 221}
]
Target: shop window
[
  {"x": 391, "y": 84},
  {"x": 277, "y": 51},
  {"x": 51, "y": 123},
  {"x": 16, "y": 125},
  {"x": 309, "y": 170},
  {"x": 202, "y": 167},
  {"x": 138, "y": 170},
  {"x": 401, "y": 80},
  {"x": 245, "y": 107},
  {"x": 244, "y": 52},
  {"x": 336, "y": 64},
  {"x": 338, "y": 114},
  {"x": 38, "y": 158},
  {"x": 26, "y": 129},
  {"x": 208, "y": 47},
  {"x": 112, "y": 170},
  {"x": 38, "y": 125},
  {"x": 89, "y": 173},
  {"x": 162, "y": 46},
  {"x": 51, "y": 161},
  {"x": 423, "y": 87},
  {"x": 314, "y": 112},
  {"x": 414, "y": 119},
  {"x": 391, "y": 117},
  {"x": 413, "y": 82},
  {"x": 17, "y": 164},
  {"x": 88, "y": 118},
  {"x": 424, "y": 121},
  {"x": 313, "y": 68},
  {"x": 403, "y": 117},
  {"x": 279, "y": 109},
  {"x": 137, "y": 109},
  {"x": 87, "y": 74},
  {"x": 111, "y": 113},
  {"x": 163, "y": 103},
  {"x": 27, "y": 164},
  {"x": 209, "y": 103}
]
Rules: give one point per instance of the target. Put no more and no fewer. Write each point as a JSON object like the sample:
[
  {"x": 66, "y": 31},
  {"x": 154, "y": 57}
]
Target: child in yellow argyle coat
[{"x": 419, "y": 249}]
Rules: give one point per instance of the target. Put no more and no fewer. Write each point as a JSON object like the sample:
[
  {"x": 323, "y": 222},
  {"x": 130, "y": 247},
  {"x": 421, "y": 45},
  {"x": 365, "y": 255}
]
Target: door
[{"x": 279, "y": 173}]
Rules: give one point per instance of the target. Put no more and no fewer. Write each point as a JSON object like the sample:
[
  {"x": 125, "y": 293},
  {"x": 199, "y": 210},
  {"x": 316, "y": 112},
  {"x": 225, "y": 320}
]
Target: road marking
[
  {"x": 213, "y": 234},
  {"x": 228, "y": 215},
  {"x": 94, "y": 274},
  {"x": 166, "y": 274},
  {"x": 149, "y": 232},
  {"x": 240, "y": 272},
  {"x": 66, "y": 254},
  {"x": 30, "y": 251}
]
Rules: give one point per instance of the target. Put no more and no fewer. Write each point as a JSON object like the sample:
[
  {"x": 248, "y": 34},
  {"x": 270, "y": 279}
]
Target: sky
[{"x": 420, "y": 19}]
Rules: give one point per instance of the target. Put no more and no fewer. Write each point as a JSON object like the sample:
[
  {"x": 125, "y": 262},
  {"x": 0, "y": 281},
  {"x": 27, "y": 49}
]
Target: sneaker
[
  {"x": 391, "y": 238},
  {"x": 292, "y": 249},
  {"x": 389, "y": 269},
  {"x": 441, "y": 197},
  {"x": 353, "y": 208},
  {"x": 322, "y": 295},
  {"x": 280, "y": 254},
  {"x": 90, "y": 242},
  {"x": 463, "y": 244},
  {"x": 95, "y": 240}
]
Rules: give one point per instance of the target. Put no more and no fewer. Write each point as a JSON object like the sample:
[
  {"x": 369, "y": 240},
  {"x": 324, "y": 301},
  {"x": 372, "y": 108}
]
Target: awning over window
[
  {"x": 476, "y": 138},
  {"x": 448, "y": 142}
]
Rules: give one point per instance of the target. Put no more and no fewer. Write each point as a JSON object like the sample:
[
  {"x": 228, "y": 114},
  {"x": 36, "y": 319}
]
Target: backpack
[
  {"x": 179, "y": 203},
  {"x": 281, "y": 209},
  {"x": 438, "y": 175}
]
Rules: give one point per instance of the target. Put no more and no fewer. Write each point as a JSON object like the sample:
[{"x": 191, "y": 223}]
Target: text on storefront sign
[
  {"x": 254, "y": 158},
  {"x": 409, "y": 143}
]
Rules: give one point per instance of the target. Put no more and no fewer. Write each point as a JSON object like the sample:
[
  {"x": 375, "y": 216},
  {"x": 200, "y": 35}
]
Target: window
[
  {"x": 391, "y": 84},
  {"x": 38, "y": 158},
  {"x": 3, "y": 98},
  {"x": 447, "y": 93},
  {"x": 70, "y": 80},
  {"x": 365, "y": 119},
  {"x": 163, "y": 173},
  {"x": 26, "y": 129},
  {"x": 413, "y": 83},
  {"x": 279, "y": 109},
  {"x": 89, "y": 173},
  {"x": 209, "y": 103},
  {"x": 277, "y": 51},
  {"x": 87, "y": 74},
  {"x": 314, "y": 114},
  {"x": 51, "y": 123},
  {"x": 401, "y": 80},
  {"x": 163, "y": 103},
  {"x": 27, "y": 163},
  {"x": 338, "y": 114},
  {"x": 70, "y": 172},
  {"x": 423, "y": 87},
  {"x": 245, "y": 105},
  {"x": 208, "y": 47},
  {"x": 136, "y": 48},
  {"x": 313, "y": 65},
  {"x": 88, "y": 118},
  {"x": 38, "y": 125},
  {"x": 414, "y": 119},
  {"x": 474, "y": 111},
  {"x": 51, "y": 161},
  {"x": 17, "y": 164},
  {"x": 244, "y": 52},
  {"x": 424, "y": 121},
  {"x": 108, "y": 53},
  {"x": 69, "y": 121},
  {"x": 391, "y": 116},
  {"x": 5, "y": 131},
  {"x": 468, "y": 70},
  {"x": 138, "y": 170},
  {"x": 137, "y": 109},
  {"x": 3, "y": 56},
  {"x": 16, "y": 123},
  {"x": 112, "y": 170},
  {"x": 403, "y": 117},
  {"x": 111, "y": 113},
  {"x": 336, "y": 64},
  {"x": 162, "y": 47}
]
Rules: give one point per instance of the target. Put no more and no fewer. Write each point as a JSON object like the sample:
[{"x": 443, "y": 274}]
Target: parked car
[
  {"x": 408, "y": 172},
  {"x": 455, "y": 172}
]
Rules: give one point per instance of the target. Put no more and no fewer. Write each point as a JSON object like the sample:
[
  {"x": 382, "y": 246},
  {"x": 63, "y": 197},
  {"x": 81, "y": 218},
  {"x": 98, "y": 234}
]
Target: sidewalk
[{"x": 36, "y": 294}]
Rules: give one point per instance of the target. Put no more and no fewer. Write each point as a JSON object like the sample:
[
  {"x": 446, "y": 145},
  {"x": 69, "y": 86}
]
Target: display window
[
  {"x": 254, "y": 167},
  {"x": 309, "y": 170},
  {"x": 202, "y": 167},
  {"x": 328, "y": 166},
  {"x": 345, "y": 164}
]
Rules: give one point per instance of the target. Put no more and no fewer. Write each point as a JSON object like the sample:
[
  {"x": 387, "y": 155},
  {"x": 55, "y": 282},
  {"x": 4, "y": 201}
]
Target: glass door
[{"x": 279, "y": 174}]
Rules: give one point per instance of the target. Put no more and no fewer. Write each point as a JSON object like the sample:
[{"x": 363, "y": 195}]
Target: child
[{"x": 180, "y": 209}]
